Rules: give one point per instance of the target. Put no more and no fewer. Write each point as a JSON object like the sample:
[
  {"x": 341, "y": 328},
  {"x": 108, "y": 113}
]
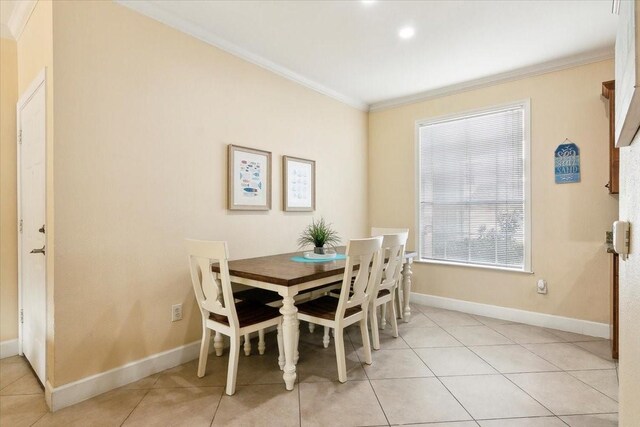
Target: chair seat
[
  {"x": 249, "y": 313},
  {"x": 256, "y": 295},
  {"x": 383, "y": 293},
  {"x": 325, "y": 308}
]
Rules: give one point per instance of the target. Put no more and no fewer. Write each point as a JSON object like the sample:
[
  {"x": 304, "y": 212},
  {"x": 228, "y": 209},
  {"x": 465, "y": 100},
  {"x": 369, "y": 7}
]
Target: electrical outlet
[
  {"x": 542, "y": 286},
  {"x": 176, "y": 312}
]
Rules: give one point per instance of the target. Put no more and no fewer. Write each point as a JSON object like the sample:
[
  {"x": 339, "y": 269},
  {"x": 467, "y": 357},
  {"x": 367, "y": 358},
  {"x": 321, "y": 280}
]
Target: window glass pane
[{"x": 472, "y": 189}]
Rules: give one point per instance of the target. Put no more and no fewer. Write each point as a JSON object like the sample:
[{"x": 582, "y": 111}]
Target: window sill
[{"x": 459, "y": 264}]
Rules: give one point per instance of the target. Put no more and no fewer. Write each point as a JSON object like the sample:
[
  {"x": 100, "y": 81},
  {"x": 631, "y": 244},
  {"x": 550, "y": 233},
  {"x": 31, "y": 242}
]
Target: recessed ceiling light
[
  {"x": 367, "y": 2},
  {"x": 406, "y": 32}
]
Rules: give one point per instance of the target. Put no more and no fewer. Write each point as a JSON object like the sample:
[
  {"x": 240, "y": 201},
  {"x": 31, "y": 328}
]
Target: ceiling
[{"x": 350, "y": 50}]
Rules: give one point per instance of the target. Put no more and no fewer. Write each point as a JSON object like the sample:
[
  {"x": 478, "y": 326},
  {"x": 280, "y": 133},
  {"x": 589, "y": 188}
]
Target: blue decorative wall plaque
[{"x": 567, "y": 165}]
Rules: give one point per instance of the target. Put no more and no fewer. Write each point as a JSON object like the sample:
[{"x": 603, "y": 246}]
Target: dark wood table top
[{"x": 281, "y": 270}]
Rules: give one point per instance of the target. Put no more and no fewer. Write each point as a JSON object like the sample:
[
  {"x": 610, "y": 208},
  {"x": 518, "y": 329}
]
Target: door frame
[{"x": 40, "y": 80}]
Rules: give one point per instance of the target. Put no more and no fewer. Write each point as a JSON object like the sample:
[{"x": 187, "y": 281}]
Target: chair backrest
[
  {"x": 380, "y": 231},
  {"x": 366, "y": 254},
  {"x": 213, "y": 295},
  {"x": 393, "y": 252}
]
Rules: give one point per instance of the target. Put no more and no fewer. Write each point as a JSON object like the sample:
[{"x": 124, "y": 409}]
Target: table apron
[{"x": 294, "y": 289}]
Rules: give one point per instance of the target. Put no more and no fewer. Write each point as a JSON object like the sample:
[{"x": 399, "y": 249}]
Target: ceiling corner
[{"x": 19, "y": 17}]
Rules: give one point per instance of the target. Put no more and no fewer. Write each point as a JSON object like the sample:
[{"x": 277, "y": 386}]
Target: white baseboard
[
  {"x": 8, "y": 348},
  {"x": 568, "y": 324},
  {"x": 86, "y": 388},
  {"x": 72, "y": 393}
]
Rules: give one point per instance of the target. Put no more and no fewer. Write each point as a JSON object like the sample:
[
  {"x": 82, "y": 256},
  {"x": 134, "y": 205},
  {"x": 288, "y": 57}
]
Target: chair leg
[
  {"x": 247, "y": 345},
  {"x": 296, "y": 355},
  {"x": 364, "y": 331},
  {"x": 261, "y": 345},
  {"x": 204, "y": 351},
  {"x": 394, "y": 316},
  {"x": 340, "y": 356},
  {"x": 383, "y": 316},
  {"x": 218, "y": 343},
  {"x": 232, "y": 372},
  {"x": 375, "y": 334},
  {"x": 312, "y": 327},
  {"x": 280, "y": 347},
  {"x": 325, "y": 337},
  {"x": 400, "y": 311}
]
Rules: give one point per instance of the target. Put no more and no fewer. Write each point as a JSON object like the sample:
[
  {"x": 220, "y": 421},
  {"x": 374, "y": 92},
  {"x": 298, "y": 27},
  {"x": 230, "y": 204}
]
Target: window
[{"x": 474, "y": 188}]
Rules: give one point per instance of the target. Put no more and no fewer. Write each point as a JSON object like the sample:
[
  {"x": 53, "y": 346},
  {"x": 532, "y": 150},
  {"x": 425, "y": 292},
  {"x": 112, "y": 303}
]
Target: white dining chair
[
  {"x": 353, "y": 304},
  {"x": 381, "y": 231},
  {"x": 219, "y": 310},
  {"x": 384, "y": 292}
]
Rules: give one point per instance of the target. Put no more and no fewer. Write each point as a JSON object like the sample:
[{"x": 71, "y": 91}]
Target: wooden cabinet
[{"x": 609, "y": 93}]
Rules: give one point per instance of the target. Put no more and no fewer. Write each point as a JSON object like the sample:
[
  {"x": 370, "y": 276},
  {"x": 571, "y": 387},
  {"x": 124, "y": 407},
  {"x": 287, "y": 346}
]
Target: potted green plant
[{"x": 318, "y": 233}]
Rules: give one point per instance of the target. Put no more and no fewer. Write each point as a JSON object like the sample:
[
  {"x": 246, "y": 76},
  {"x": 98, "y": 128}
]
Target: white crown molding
[
  {"x": 531, "y": 71},
  {"x": 568, "y": 324},
  {"x": 5, "y": 32},
  {"x": 153, "y": 11},
  {"x": 21, "y": 12}
]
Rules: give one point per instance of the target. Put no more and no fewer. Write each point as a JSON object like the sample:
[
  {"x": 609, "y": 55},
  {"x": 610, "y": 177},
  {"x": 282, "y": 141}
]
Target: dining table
[{"x": 284, "y": 274}]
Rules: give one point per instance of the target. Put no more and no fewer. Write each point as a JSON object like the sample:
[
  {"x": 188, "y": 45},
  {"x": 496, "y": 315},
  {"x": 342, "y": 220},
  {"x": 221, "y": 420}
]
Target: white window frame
[{"x": 525, "y": 104}]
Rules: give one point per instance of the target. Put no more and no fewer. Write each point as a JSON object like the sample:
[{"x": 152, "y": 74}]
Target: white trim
[
  {"x": 40, "y": 80},
  {"x": 569, "y": 324},
  {"x": 155, "y": 11},
  {"x": 22, "y": 10},
  {"x": 8, "y": 348},
  {"x": 462, "y": 264},
  {"x": 86, "y": 388},
  {"x": 525, "y": 104},
  {"x": 522, "y": 73}
]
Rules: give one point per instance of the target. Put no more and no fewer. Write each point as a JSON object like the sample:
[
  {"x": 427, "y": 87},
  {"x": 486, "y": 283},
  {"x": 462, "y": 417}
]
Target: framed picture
[
  {"x": 249, "y": 181},
  {"x": 299, "y": 184}
]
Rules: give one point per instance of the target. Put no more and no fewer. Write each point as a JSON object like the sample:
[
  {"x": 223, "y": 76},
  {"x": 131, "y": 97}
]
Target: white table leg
[
  {"x": 290, "y": 333},
  {"x": 406, "y": 289},
  {"x": 218, "y": 344}
]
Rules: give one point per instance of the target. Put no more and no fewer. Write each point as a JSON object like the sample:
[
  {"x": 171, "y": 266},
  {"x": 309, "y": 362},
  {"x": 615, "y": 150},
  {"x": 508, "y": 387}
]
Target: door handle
[{"x": 38, "y": 251}]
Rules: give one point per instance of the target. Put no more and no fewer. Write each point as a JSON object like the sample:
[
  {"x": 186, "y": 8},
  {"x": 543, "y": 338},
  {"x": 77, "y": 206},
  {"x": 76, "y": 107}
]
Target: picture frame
[
  {"x": 299, "y": 184},
  {"x": 249, "y": 179}
]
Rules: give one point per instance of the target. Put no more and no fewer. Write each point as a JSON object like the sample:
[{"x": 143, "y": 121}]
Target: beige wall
[
  {"x": 143, "y": 116},
  {"x": 568, "y": 221},
  {"x": 35, "y": 53},
  {"x": 630, "y": 287},
  {"x": 8, "y": 209}
]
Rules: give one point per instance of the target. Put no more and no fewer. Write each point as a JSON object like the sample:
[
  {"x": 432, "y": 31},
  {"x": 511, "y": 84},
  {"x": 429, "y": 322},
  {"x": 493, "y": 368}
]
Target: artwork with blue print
[
  {"x": 251, "y": 180},
  {"x": 567, "y": 163}
]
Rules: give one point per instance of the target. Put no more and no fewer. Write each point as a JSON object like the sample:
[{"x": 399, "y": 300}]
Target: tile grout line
[
  {"x": 215, "y": 412},
  {"x": 135, "y": 407},
  {"x": 369, "y": 379},
  {"x": 593, "y": 386},
  {"x": 508, "y": 379},
  {"x": 524, "y": 391},
  {"x": 444, "y": 385},
  {"x": 500, "y": 373}
]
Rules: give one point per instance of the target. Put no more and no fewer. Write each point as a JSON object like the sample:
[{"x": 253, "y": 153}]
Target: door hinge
[
  {"x": 20, "y": 136},
  {"x": 21, "y": 316},
  {"x": 20, "y": 226}
]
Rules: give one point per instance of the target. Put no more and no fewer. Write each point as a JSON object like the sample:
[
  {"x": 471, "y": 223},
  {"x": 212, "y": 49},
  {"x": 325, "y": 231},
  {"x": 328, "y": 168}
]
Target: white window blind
[{"x": 473, "y": 208}]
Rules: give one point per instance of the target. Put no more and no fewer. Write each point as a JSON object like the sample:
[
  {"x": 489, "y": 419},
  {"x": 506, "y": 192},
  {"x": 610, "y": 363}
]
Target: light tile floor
[{"x": 446, "y": 369}]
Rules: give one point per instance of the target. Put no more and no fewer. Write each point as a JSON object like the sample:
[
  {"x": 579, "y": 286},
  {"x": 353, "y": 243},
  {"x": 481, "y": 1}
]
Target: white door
[{"x": 31, "y": 155}]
